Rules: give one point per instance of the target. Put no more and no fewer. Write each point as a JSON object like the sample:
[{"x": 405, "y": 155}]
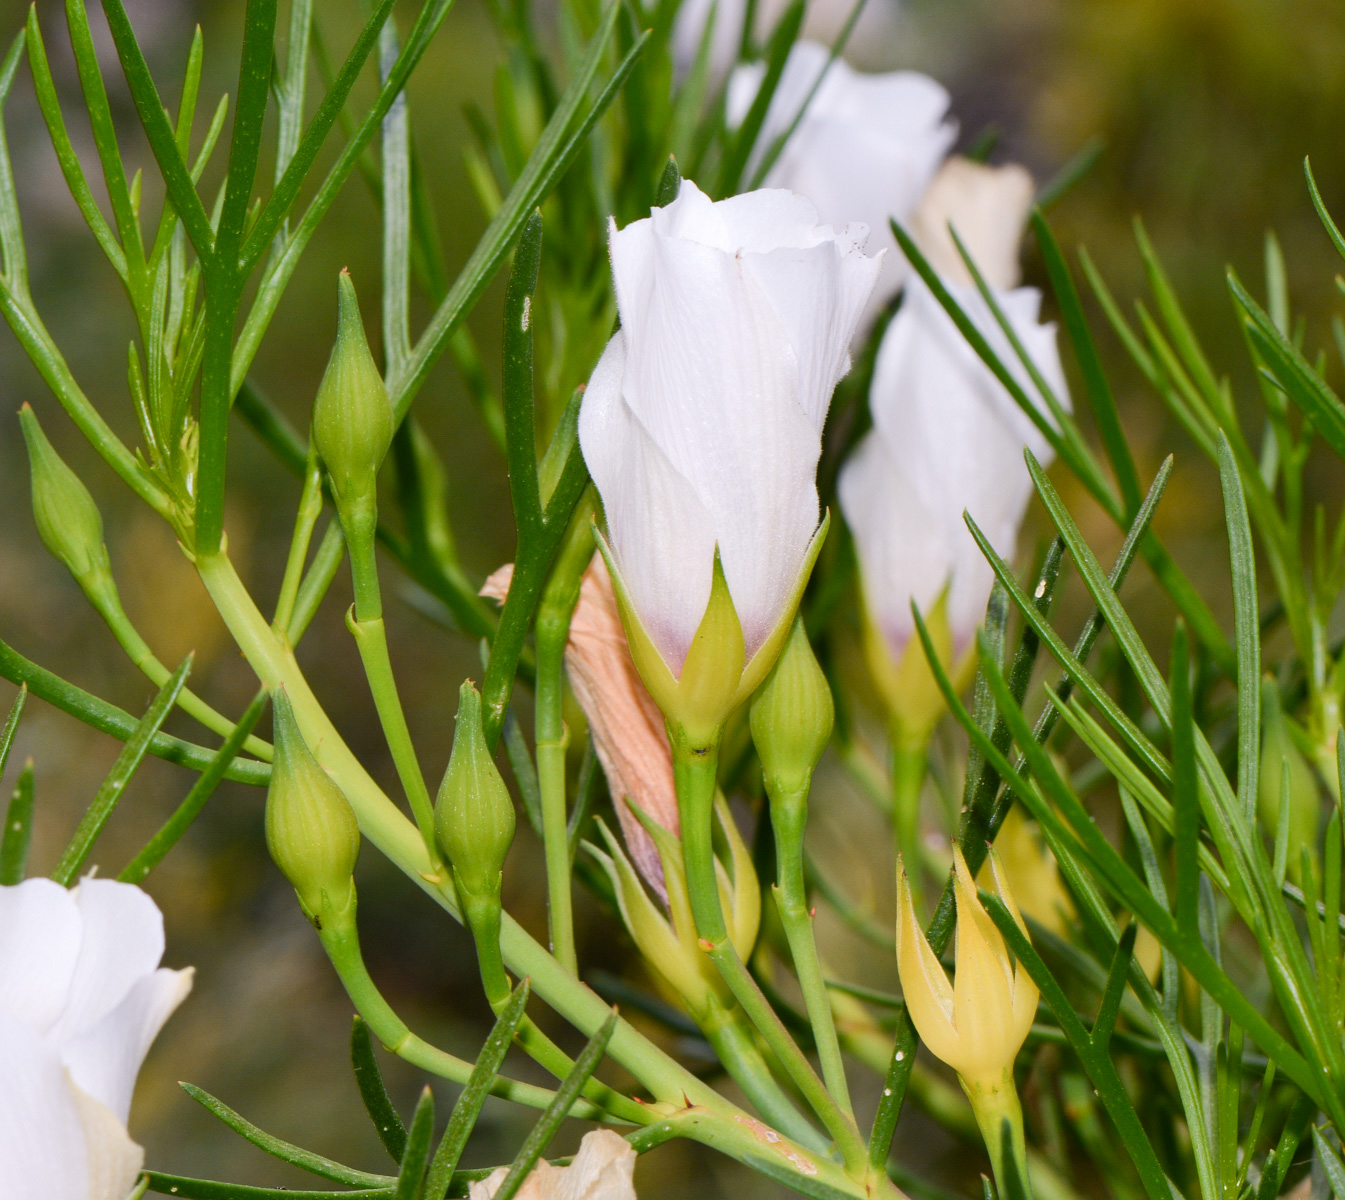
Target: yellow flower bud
[
  {"x": 352, "y": 419},
  {"x": 792, "y": 716},
  {"x": 668, "y": 942},
  {"x": 311, "y": 829},
  {"x": 67, "y": 518},
  {"x": 978, "y": 1023},
  {"x": 473, "y": 814}
]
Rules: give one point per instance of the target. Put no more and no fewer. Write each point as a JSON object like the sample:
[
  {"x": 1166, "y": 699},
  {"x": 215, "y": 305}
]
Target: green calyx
[
  {"x": 67, "y": 518},
  {"x": 311, "y": 829},
  {"x": 352, "y": 419},
  {"x": 792, "y": 716},
  {"x": 473, "y": 814},
  {"x": 716, "y": 676}
]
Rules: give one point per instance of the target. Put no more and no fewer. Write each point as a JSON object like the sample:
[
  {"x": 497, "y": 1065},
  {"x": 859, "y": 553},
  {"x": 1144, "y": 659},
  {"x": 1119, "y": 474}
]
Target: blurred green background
[{"x": 1206, "y": 109}]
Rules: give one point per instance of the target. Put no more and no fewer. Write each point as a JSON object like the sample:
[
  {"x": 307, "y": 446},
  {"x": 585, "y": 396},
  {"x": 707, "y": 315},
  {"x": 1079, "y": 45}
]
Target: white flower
[
  {"x": 823, "y": 21},
  {"x": 604, "y": 1169},
  {"x": 947, "y": 437},
  {"x": 702, "y": 423},
  {"x": 865, "y": 150},
  {"x": 82, "y": 996}
]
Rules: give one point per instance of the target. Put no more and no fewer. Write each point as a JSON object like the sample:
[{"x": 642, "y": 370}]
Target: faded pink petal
[{"x": 627, "y": 727}]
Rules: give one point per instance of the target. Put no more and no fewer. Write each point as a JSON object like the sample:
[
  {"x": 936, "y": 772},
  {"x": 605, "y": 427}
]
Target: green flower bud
[
  {"x": 352, "y": 419},
  {"x": 67, "y": 518},
  {"x": 473, "y": 815},
  {"x": 792, "y": 716},
  {"x": 311, "y": 830},
  {"x": 1278, "y": 752}
]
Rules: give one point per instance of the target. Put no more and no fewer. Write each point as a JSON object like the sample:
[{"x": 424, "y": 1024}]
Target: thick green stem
[
  {"x": 732, "y": 1039},
  {"x": 789, "y": 814},
  {"x": 340, "y": 938},
  {"x": 694, "y": 769},
  {"x": 996, "y": 1105}
]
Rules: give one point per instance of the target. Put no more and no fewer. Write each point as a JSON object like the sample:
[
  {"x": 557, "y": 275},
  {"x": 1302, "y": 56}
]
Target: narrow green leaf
[
  {"x": 1075, "y": 170},
  {"x": 12, "y": 725},
  {"x": 251, "y": 101},
  {"x": 207, "y": 1189},
  {"x": 104, "y": 130},
  {"x": 545, "y": 1129},
  {"x": 128, "y": 761},
  {"x": 553, "y": 153},
  {"x": 1105, "y": 1024},
  {"x": 520, "y": 427},
  {"x": 49, "y": 104},
  {"x": 292, "y": 85},
  {"x": 172, "y": 830},
  {"x": 1303, "y": 385},
  {"x": 314, "y": 1164},
  {"x": 1279, "y": 1160},
  {"x": 415, "y": 1160},
  {"x": 278, "y": 206},
  {"x": 468, "y": 1108},
  {"x": 739, "y": 150},
  {"x": 1330, "y": 1160},
  {"x": 1178, "y": 327},
  {"x": 525, "y": 771},
  {"x": 396, "y": 204},
  {"x": 1185, "y": 802},
  {"x": 18, "y": 831},
  {"x": 162, "y": 137},
  {"x": 1332, "y": 231},
  {"x": 1101, "y": 401},
  {"x": 108, "y": 718},
  {"x": 1247, "y": 624},
  {"x": 391, "y": 1131},
  {"x": 11, "y": 226},
  {"x": 894, "y": 1090}
]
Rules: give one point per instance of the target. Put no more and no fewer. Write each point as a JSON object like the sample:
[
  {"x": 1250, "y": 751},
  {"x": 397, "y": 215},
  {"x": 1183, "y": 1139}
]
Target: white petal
[
  {"x": 988, "y": 207},
  {"x": 712, "y": 376},
  {"x": 604, "y": 1169},
  {"x": 122, "y": 942},
  {"x": 114, "y": 1160},
  {"x": 42, "y": 1155},
  {"x": 40, "y": 930},
  {"x": 105, "y": 1059},
  {"x": 661, "y": 534},
  {"x": 903, "y": 549},
  {"x": 865, "y": 149}
]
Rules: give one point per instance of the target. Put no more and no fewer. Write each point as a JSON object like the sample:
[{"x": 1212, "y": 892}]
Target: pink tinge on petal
[{"x": 627, "y": 727}]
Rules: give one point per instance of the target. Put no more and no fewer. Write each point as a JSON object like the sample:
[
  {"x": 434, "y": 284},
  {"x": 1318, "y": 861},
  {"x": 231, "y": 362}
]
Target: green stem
[
  {"x": 310, "y": 509},
  {"x": 730, "y": 1035},
  {"x": 995, "y": 1104},
  {"x": 552, "y": 740},
  {"x": 340, "y": 938},
  {"x": 910, "y": 762},
  {"x": 694, "y": 769},
  {"x": 789, "y": 814},
  {"x": 711, "y": 1119},
  {"x": 552, "y": 631},
  {"x": 108, "y": 604},
  {"x": 365, "y": 622},
  {"x": 484, "y": 916}
]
